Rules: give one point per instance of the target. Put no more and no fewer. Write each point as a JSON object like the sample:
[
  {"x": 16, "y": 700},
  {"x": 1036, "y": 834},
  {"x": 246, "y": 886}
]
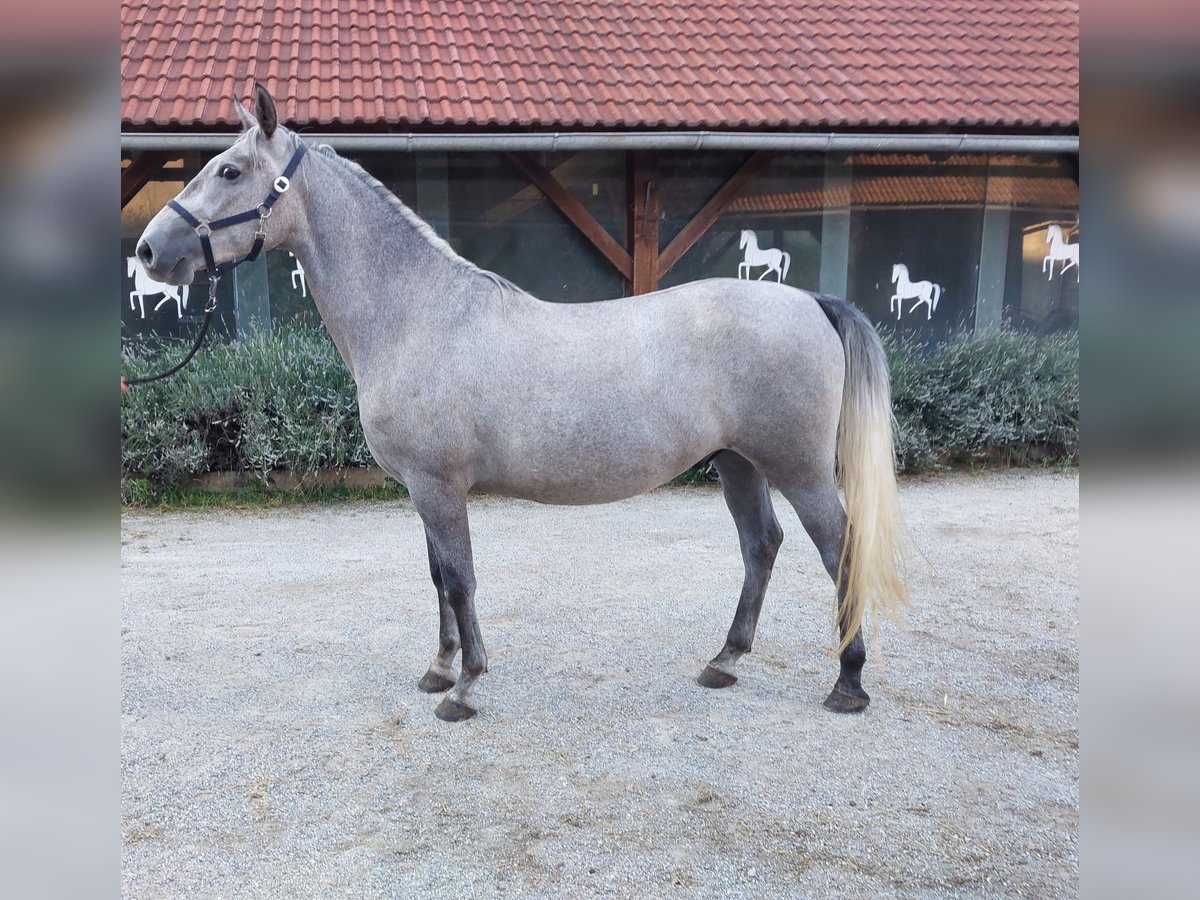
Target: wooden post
[{"x": 644, "y": 209}]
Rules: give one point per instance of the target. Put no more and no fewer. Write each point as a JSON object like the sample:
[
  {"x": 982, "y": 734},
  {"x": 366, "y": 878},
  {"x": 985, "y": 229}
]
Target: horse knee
[{"x": 763, "y": 547}]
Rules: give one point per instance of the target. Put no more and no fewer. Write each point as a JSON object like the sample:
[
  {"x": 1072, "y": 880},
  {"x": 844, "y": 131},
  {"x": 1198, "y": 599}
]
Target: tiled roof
[
  {"x": 906, "y": 191},
  {"x": 686, "y": 64}
]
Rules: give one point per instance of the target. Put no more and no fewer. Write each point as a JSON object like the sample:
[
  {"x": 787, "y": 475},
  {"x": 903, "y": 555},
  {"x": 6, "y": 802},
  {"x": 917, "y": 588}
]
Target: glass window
[
  {"x": 501, "y": 222},
  {"x": 1041, "y": 285},
  {"x": 781, "y": 208},
  {"x": 915, "y": 226}
]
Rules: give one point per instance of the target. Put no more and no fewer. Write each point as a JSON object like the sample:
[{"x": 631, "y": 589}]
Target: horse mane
[{"x": 423, "y": 228}]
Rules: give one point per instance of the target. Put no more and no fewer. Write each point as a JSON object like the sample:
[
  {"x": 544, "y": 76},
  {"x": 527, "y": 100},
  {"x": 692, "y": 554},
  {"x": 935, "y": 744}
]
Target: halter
[
  {"x": 262, "y": 212},
  {"x": 205, "y": 228}
]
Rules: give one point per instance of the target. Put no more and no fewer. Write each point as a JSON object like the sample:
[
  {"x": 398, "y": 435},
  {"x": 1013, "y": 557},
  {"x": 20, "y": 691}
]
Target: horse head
[
  {"x": 231, "y": 184},
  {"x": 1052, "y": 233},
  {"x": 131, "y": 267},
  {"x": 896, "y": 270},
  {"x": 747, "y": 237}
]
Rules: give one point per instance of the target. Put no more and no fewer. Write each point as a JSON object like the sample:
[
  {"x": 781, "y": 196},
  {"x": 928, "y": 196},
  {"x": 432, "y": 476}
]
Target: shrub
[
  {"x": 257, "y": 405},
  {"x": 1000, "y": 396}
]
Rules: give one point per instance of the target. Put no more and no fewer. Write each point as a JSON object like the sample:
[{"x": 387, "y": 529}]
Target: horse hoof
[
  {"x": 449, "y": 711},
  {"x": 433, "y": 683},
  {"x": 715, "y": 678},
  {"x": 843, "y": 701}
]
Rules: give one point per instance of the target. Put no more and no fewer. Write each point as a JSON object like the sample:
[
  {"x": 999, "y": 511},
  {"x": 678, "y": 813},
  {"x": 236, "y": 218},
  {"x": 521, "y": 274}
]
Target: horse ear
[
  {"x": 264, "y": 111},
  {"x": 248, "y": 121}
]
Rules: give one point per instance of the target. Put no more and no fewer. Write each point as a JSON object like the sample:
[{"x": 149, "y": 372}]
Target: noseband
[{"x": 262, "y": 212}]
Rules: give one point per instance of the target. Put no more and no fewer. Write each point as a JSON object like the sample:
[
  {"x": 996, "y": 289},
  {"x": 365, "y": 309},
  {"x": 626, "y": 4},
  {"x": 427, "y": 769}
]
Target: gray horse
[{"x": 466, "y": 382}]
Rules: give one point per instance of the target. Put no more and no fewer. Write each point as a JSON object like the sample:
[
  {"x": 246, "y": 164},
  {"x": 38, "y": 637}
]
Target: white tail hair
[{"x": 872, "y": 570}]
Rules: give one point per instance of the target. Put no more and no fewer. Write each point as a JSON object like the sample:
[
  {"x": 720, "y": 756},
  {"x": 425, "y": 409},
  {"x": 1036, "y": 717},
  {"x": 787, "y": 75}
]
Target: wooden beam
[
  {"x": 135, "y": 176},
  {"x": 574, "y": 211},
  {"x": 643, "y": 225},
  {"x": 530, "y": 194},
  {"x": 711, "y": 211}
]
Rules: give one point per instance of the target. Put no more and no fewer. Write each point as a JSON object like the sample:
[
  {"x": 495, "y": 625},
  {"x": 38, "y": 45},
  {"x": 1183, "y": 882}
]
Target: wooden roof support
[
  {"x": 138, "y": 173},
  {"x": 644, "y": 210},
  {"x": 575, "y": 211},
  {"x": 711, "y": 211}
]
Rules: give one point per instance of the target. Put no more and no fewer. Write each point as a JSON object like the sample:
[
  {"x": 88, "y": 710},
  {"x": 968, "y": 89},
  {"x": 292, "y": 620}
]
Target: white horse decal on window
[
  {"x": 776, "y": 261},
  {"x": 925, "y": 291},
  {"x": 143, "y": 284},
  {"x": 1060, "y": 249}
]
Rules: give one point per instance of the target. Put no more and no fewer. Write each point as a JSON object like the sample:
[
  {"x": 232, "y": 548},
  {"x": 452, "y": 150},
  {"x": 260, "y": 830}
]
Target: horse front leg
[
  {"x": 443, "y": 508},
  {"x": 440, "y": 675}
]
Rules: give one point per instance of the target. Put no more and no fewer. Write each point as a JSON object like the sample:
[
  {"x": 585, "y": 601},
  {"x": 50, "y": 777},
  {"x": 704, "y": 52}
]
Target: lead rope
[
  {"x": 209, "y": 308},
  {"x": 203, "y": 229}
]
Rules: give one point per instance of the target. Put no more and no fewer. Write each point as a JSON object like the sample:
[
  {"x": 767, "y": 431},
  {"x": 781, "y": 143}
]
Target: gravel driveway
[{"x": 274, "y": 742}]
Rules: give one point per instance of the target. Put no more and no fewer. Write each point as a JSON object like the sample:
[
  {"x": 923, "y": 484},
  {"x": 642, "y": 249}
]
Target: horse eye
[{"x": 228, "y": 172}]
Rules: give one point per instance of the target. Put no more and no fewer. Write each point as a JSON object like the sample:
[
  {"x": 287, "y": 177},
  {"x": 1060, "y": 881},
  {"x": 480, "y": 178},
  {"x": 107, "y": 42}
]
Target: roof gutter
[{"x": 643, "y": 140}]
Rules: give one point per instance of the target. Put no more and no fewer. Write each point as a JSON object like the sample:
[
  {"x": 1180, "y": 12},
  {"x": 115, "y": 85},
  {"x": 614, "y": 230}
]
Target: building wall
[{"x": 969, "y": 230}]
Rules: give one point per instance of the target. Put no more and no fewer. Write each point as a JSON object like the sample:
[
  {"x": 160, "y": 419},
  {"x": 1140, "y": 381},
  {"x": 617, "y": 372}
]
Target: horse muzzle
[{"x": 168, "y": 253}]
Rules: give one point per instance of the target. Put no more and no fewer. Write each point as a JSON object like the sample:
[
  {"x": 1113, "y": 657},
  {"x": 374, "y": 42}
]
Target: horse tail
[
  {"x": 937, "y": 292},
  {"x": 787, "y": 261},
  {"x": 872, "y": 567}
]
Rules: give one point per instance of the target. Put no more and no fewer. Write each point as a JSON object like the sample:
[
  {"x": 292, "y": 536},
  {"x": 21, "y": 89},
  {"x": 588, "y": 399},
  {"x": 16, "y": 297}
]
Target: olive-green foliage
[
  {"x": 256, "y": 405},
  {"x": 1001, "y": 397},
  {"x": 290, "y": 403}
]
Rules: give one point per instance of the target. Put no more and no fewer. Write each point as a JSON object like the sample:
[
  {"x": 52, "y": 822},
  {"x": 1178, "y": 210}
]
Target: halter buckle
[
  {"x": 203, "y": 229},
  {"x": 282, "y": 183}
]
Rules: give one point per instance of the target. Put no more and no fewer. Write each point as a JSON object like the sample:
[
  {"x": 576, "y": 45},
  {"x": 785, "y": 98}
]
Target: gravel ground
[{"x": 274, "y": 743}]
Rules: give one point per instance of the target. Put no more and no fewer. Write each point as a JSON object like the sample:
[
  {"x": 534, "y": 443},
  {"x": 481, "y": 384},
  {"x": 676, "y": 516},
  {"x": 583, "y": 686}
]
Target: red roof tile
[{"x": 723, "y": 64}]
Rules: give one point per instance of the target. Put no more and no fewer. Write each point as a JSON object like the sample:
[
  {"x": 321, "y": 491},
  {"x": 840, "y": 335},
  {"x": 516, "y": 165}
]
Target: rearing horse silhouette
[
  {"x": 925, "y": 291},
  {"x": 1060, "y": 249},
  {"x": 776, "y": 261},
  {"x": 465, "y": 381}
]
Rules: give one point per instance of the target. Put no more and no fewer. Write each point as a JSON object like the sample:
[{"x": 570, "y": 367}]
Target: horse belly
[
  {"x": 597, "y": 458},
  {"x": 596, "y": 484}
]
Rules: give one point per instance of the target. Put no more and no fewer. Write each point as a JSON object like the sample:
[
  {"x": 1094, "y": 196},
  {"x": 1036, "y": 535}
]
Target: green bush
[
  {"x": 1001, "y": 396},
  {"x": 255, "y": 406},
  {"x": 290, "y": 403}
]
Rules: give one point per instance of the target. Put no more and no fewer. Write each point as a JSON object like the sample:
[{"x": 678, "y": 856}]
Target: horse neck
[{"x": 375, "y": 278}]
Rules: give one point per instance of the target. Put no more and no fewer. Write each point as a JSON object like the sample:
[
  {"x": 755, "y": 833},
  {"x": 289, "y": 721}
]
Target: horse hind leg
[
  {"x": 748, "y": 497},
  {"x": 820, "y": 511}
]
